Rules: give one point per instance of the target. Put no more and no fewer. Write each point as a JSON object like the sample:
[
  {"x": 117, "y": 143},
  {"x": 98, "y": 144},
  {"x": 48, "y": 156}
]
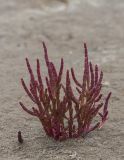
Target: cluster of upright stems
[{"x": 61, "y": 112}]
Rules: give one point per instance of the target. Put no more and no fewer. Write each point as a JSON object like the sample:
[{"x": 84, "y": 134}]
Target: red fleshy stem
[
  {"x": 39, "y": 75},
  {"x": 74, "y": 78},
  {"x": 60, "y": 71},
  {"x": 30, "y": 70},
  {"x": 92, "y": 75},
  {"x": 45, "y": 53},
  {"x": 58, "y": 108},
  {"x": 27, "y": 110},
  {"x": 96, "y": 74},
  {"x": 106, "y": 102},
  {"x": 27, "y": 91}
]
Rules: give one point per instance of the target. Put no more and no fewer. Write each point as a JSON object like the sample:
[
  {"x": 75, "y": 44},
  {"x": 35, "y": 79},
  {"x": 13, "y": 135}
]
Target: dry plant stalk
[{"x": 62, "y": 114}]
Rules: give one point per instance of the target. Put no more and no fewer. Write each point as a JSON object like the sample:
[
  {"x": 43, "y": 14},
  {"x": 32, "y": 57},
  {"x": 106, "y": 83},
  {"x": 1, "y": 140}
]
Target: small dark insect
[{"x": 20, "y": 139}]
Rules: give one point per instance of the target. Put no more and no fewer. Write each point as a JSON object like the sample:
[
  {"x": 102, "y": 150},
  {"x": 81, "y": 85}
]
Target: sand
[{"x": 64, "y": 26}]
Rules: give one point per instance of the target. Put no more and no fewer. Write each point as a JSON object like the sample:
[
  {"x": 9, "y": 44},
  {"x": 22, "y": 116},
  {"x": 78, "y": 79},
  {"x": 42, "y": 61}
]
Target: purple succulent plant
[{"x": 62, "y": 113}]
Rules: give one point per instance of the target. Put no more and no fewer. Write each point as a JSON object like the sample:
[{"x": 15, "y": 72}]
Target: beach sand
[{"x": 64, "y": 26}]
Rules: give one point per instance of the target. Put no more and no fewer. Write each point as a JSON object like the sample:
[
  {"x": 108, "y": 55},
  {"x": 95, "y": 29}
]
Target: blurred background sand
[{"x": 64, "y": 26}]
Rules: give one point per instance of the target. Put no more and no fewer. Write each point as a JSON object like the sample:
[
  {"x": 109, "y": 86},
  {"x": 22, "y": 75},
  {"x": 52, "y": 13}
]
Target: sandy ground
[{"x": 63, "y": 26}]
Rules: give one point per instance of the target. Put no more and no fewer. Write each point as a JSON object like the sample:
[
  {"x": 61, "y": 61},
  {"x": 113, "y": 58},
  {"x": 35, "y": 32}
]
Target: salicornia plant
[{"x": 63, "y": 113}]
